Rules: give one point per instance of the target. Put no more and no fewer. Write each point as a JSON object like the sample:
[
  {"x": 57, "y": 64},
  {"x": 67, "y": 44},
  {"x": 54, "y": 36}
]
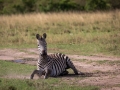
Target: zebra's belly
[{"x": 56, "y": 71}]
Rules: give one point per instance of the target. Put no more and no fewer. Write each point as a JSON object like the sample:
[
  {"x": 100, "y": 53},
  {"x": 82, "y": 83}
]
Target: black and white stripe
[{"x": 58, "y": 63}]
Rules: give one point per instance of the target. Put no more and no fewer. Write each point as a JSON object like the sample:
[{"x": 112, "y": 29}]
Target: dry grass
[
  {"x": 97, "y": 29},
  {"x": 42, "y": 19}
]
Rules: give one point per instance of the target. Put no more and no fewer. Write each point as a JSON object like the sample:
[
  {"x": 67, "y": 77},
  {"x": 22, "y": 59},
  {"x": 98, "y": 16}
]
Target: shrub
[
  {"x": 97, "y": 5},
  {"x": 62, "y": 5},
  {"x": 1, "y": 6},
  {"x": 25, "y": 6}
]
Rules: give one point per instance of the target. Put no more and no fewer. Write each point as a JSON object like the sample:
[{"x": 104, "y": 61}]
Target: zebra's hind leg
[
  {"x": 70, "y": 65},
  {"x": 64, "y": 73}
]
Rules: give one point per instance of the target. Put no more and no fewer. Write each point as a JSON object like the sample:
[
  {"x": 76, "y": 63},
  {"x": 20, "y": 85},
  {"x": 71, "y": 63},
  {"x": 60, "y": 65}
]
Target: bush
[
  {"x": 115, "y": 4},
  {"x": 29, "y": 5},
  {"x": 1, "y": 6},
  {"x": 26, "y": 6},
  {"x": 62, "y": 5},
  {"x": 92, "y": 5}
]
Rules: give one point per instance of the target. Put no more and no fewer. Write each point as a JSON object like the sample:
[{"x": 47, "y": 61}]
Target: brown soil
[{"x": 105, "y": 75}]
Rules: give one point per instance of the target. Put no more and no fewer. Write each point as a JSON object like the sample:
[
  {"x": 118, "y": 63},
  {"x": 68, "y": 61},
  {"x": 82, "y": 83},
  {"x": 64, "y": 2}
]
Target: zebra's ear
[
  {"x": 44, "y": 35},
  {"x": 37, "y": 36}
]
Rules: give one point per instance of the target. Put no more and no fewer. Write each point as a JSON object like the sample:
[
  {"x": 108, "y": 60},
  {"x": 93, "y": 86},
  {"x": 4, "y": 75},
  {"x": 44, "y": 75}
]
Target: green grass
[
  {"x": 117, "y": 62},
  {"x": 111, "y": 63},
  {"x": 13, "y": 69},
  {"x": 49, "y": 84},
  {"x": 104, "y": 62},
  {"x": 10, "y": 68}
]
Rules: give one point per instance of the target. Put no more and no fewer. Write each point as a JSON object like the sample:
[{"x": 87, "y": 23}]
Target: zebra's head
[{"x": 42, "y": 45}]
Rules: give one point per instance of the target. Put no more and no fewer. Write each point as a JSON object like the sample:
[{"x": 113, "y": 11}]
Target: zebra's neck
[{"x": 43, "y": 59}]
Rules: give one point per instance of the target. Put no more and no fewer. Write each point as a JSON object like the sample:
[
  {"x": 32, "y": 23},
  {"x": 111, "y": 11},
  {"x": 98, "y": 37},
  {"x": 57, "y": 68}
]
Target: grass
[
  {"x": 6, "y": 68},
  {"x": 68, "y": 32},
  {"x": 101, "y": 62},
  {"x": 49, "y": 84},
  {"x": 13, "y": 69},
  {"x": 107, "y": 62}
]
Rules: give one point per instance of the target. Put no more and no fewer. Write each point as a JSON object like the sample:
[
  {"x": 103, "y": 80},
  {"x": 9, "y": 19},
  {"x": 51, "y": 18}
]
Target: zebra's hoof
[
  {"x": 31, "y": 77},
  {"x": 81, "y": 73},
  {"x": 76, "y": 73}
]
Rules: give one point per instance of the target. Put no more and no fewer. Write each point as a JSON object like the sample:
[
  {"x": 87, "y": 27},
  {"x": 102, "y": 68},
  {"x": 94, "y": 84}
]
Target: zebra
[{"x": 52, "y": 65}]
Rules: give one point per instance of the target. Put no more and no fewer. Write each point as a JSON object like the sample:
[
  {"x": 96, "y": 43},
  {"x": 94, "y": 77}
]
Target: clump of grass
[
  {"x": 102, "y": 62},
  {"x": 115, "y": 63},
  {"x": 83, "y": 33}
]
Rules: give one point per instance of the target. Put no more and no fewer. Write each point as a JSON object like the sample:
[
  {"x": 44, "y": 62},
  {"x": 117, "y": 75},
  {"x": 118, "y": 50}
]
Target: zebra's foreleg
[
  {"x": 38, "y": 72},
  {"x": 47, "y": 73},
  {"x": 32, "y": 75}
]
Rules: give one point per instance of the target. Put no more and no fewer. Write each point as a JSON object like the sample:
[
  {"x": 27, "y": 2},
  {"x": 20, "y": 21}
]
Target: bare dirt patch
[{"x": 97, "y": 68}]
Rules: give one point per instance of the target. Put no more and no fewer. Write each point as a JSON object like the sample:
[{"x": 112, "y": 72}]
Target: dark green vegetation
[
  {"x": 8, "y": 69},
  {"x": 28, "y": 6}
]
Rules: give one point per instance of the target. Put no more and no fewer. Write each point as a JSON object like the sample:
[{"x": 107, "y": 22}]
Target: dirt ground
[{"x": 99, "y": 70}]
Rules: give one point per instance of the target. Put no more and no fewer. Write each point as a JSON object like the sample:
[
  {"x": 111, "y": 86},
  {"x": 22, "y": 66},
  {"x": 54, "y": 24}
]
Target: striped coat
[
  {"x": 51, "y": 65},
  {"x": 56, "y": 62}
]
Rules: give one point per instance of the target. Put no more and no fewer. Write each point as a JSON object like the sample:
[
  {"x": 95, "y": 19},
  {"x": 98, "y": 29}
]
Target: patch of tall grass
[{"x": 75, "y": 32}]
